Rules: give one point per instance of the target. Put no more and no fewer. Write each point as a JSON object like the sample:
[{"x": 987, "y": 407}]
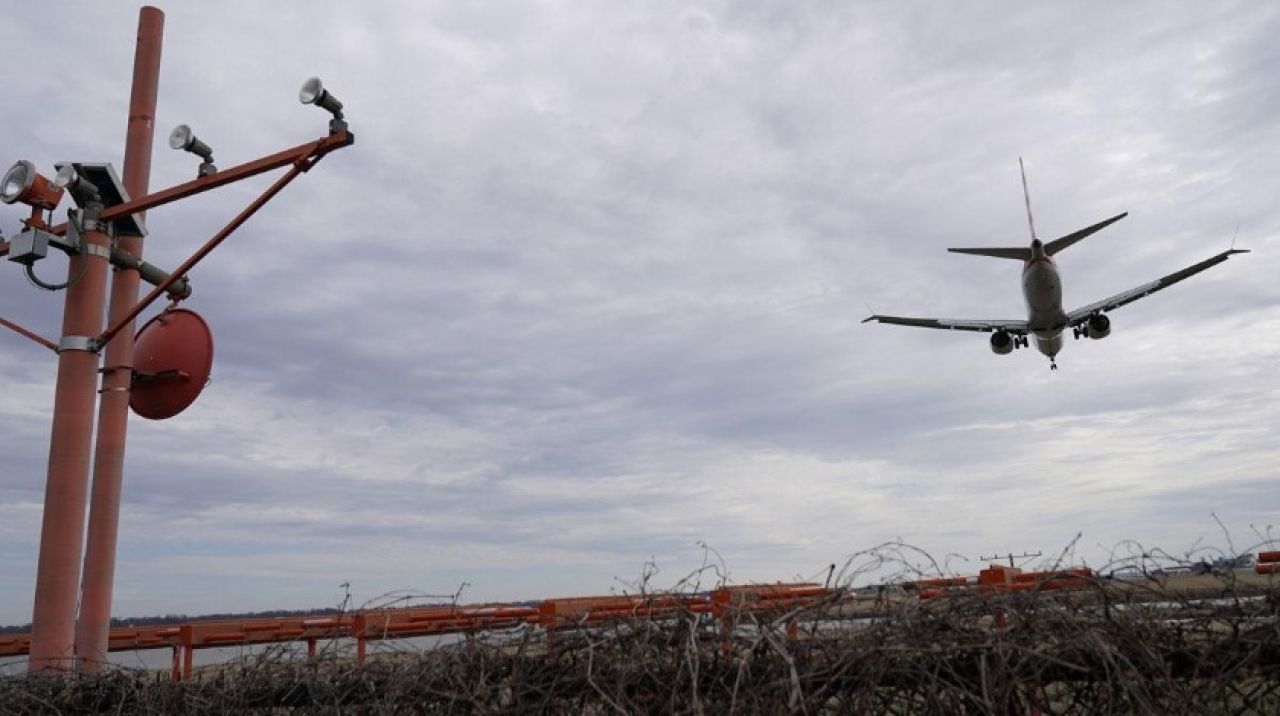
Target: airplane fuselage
[{"x": 1042, "y": 291}]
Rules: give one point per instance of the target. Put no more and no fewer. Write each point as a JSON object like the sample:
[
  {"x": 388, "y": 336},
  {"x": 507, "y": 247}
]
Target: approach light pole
[
  {"x": 98, "y": 578},
  {"x": 106, "y": 228}
]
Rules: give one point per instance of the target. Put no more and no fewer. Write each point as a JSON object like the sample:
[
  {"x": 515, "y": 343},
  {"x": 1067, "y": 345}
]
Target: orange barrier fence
[
  {"x": 203, "y": 634},
  {"x": 999, "y": 578},
  {"x": 381, "y": 624},
  {"x": 573, "y": 612},
  {"x": 730, "y": 605},
  {"x": 427, "y": 621},
  {"x": 15, "y": 644},
  {"x": 1268, "y": 563}
]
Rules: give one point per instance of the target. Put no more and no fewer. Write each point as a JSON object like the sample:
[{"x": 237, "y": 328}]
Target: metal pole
[
  {"x": 94, "y": 626},
  {"x": 53, "y": 617}
]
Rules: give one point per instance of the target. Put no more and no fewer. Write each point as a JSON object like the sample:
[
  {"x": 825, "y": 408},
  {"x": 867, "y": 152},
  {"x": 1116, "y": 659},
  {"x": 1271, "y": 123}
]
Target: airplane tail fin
[
  {"x": 1051, "y": 248},
  {"x": 1057, "y": 245},
  {"x": 1020, "y": 253},
  {"x": 1026, "y": 196}
]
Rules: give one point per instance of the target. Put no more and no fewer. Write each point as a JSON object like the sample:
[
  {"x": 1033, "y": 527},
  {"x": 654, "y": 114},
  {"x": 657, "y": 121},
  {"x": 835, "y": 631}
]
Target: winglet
[{"x": 1230, "y": 249}]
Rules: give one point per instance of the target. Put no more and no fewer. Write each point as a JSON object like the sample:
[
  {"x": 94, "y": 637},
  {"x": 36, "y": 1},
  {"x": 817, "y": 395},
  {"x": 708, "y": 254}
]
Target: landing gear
[{"x": 1053, "y": 364}]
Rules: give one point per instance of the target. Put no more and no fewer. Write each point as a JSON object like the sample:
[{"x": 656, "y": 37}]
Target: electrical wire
[{"x": 35, "y": 280}]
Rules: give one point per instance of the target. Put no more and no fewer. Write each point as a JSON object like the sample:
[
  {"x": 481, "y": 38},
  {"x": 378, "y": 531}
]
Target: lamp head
[
  {"x": 22, "y": 183},
  {"x": 82, "y": 190},
  {"x": 183, "y": 138},
  {"x": 313, "y": 92}
]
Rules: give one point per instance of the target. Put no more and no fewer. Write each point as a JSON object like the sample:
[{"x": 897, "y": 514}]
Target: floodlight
[
  {"x": 313, "y": 92},
  {"x": 183, "y": 138},
  {"x": 22, "y": 183},
  {"x": 82, "y": 190}
]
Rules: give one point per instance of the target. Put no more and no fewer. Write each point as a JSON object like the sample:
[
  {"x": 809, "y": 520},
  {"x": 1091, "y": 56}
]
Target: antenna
[
  {"x": 1010, "y": 557},
  {"x": 1027, "y": 196}
]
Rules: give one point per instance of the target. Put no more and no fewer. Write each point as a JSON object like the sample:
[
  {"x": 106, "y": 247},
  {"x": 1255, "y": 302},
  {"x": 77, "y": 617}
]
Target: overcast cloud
[{"x": 586, "y": 291}]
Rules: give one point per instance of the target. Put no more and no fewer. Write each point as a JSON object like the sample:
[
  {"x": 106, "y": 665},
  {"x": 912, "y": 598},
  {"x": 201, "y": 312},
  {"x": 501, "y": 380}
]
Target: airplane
[{"x": 1042, "y": 291}]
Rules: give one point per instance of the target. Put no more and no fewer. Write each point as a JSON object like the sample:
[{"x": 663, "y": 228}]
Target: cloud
[{"x": 586, "y": 291}]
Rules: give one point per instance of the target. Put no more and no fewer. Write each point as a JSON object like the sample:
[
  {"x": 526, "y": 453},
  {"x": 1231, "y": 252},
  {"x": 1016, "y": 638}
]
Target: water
[{"x": 162, "y": 659}]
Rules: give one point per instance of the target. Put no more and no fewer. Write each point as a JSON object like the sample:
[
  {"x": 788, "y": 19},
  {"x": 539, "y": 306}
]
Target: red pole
[
  {"x": 53, "y": 618},
  {"x": 113, "y": 411},
  {"x": 29, "y": 334}
]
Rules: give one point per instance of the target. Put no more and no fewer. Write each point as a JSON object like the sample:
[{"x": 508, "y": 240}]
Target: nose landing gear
[{"x": 1053, "y": 364}]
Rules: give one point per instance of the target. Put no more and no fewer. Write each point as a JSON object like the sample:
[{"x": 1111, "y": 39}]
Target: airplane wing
[
  {"x": 1014, "y": 327},
  {"x": 1080, "y": 315}
]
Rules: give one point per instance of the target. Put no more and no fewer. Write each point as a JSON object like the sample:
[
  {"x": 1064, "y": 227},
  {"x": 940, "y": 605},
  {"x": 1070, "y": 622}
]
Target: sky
[{"x": 586, "y": 293}]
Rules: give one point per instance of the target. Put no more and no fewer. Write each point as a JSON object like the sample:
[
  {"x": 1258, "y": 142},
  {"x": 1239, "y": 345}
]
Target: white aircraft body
[{"x": 1042, "y": 290}]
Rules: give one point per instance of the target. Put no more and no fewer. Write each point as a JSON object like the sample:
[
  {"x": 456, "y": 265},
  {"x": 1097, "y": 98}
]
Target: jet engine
[
  {"x": 1097, "y": 327},
  {"x": 1001, "y": 343}
]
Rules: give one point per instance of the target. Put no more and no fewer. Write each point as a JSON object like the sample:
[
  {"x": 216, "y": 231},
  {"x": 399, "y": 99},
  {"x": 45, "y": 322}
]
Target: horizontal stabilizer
[
  {"x": 1020, "y": 253},
  {"x": 1057, "y": 245}
]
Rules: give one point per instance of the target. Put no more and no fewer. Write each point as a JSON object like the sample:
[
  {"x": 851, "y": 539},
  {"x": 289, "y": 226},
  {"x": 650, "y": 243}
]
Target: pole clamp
[
  {"x": 78, "y": 343},
  {"x": 96, "y": 250}
]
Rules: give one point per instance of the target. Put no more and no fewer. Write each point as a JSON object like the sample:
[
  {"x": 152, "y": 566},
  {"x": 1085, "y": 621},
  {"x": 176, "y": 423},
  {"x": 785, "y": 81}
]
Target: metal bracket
[
  {"x": 74, "y": 238},
  {"x": 78, "y": 343},
  {"x": 142, "y": 376}
]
